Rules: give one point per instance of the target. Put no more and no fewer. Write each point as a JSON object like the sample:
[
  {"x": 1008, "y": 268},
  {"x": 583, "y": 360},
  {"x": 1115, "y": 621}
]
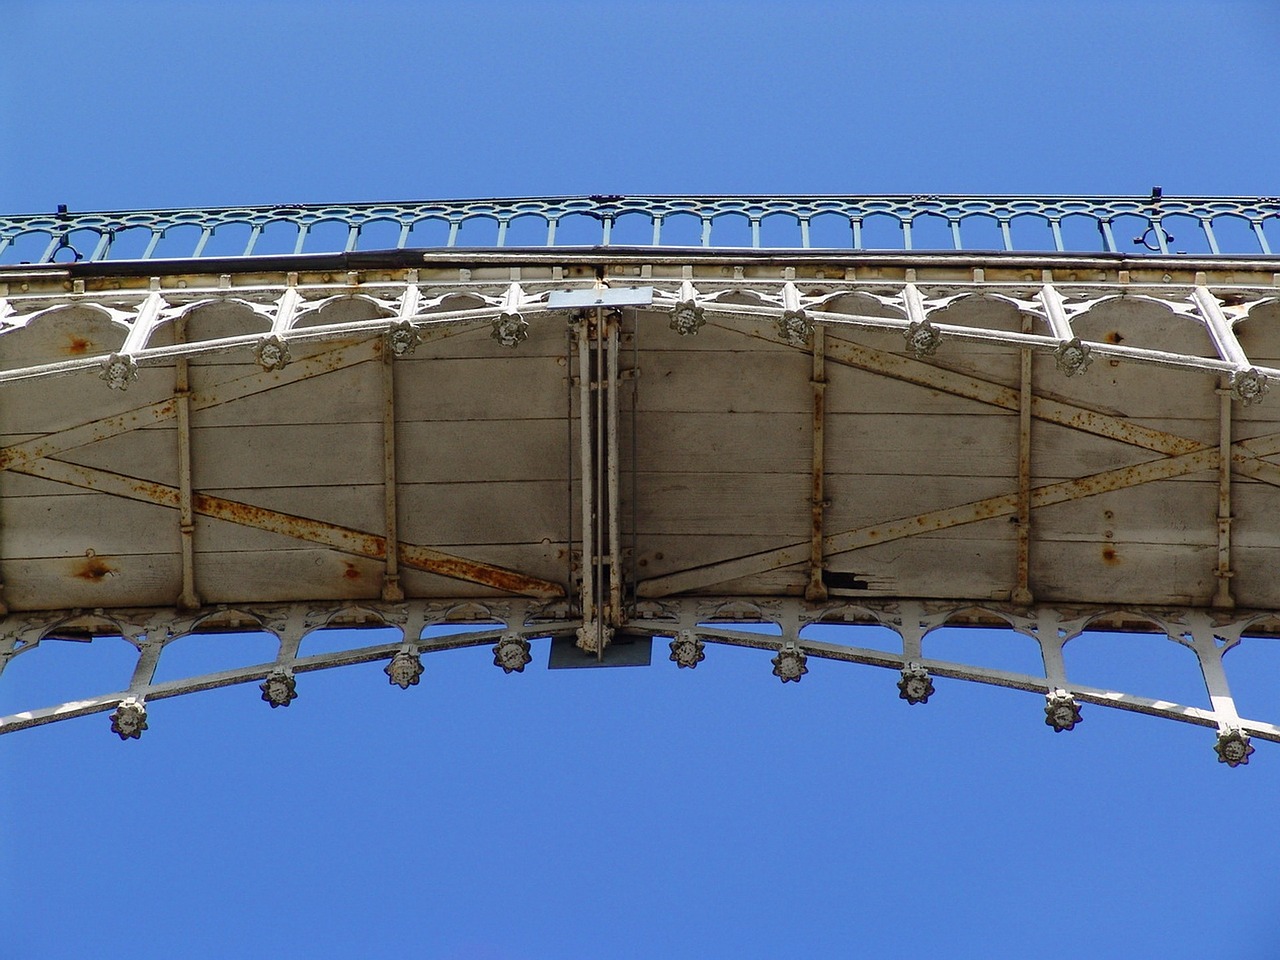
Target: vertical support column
[
  {"x": 392, "y": 592},
  {"x": 587, "y": 473},
  {"x": 1223, "y": 599},
  {"x": 1021, "y": 593},
  {"x": 612, "y": 461},
  {"x": 816, "y": 591},
  {"x": 188, "y": 599}
]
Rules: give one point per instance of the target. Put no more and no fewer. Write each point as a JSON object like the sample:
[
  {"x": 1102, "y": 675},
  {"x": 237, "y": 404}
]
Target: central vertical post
[{"x": 598, "y": 408}]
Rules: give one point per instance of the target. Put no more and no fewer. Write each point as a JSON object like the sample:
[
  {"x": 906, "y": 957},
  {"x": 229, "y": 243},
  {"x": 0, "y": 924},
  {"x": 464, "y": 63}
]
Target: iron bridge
[{"x": 607, "y": 436}]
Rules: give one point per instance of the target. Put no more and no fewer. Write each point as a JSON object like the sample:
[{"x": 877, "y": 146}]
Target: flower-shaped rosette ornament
[
  {"x": 795, "y": 327},
  {"x": 1233, "y": 747},
  {"x": 511, "y": 653},
  {"x": 915, "y": 686},
  {"x": 1072, "y": 357},
  {"x": 510, "y": 329},
  {"x": 129, "y": 720},
  {"x": 687, "y": 649},
  {"x": 923, "y": 338},
  {"x": 1061, "y": 711},
  {"x": 1249, "y": 386},
  {"x": 119, "y": 370},
  {"x": 789, "y": 664},
  {"x": 272, "y": 353},
  {"x": 280, "y": 689},
  {"x": 402, "y": 339},
  {"x": 404, "y": 670},
  {"x": 687, "y": 318}
]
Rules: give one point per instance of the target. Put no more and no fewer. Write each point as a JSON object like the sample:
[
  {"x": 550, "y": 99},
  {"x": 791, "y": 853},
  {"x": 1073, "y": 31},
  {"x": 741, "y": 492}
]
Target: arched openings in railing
[
  {"x": 780, "y": 230},
  {"x": 56, "y": 670},
  {"x": 479, "y": 230},
  {"x": 328, "y": 235},
  {"x": 831, "y": 231},
  {"x": 428, "y": 232},
  {"x": 681, "y": 230},
  {"x": 880, "y": 231},
  {"x": 996, "y": 648},
  {"x": 870, "y": 636},
  {"x": 526, "y": 230},
  {"x": 27, "y": 247},
  {"x": 1235, "y": 233},
  {"x": 579, "y": 230},
  {"x": 381, "y": 233},
  {"x": 1150, "y": 665},
  {"x": 929, "y": 231},
  {"x": 196, "y": 654},
  {"x": 731, "y": 230},
  {"x": 980, "y": 232},
  {"x": 274, "y": 237},
  {"x": 631, "y": 230}
]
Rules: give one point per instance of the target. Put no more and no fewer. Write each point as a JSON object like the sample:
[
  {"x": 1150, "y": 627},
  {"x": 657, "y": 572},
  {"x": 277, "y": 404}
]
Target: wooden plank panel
[
  {"x": 105, "y": 581},
  {"x": 911, "y": 445},
  {"x": 458, "y": 451},
  {"x": 1181, "y": 511},
  {"x": 349, "y": 395},
  {"x": 513, "y": 386},
  {"x": 1123, "y": 572},
  {"x": 723, "y": 503},
  {"x": 67, "y": 526}
]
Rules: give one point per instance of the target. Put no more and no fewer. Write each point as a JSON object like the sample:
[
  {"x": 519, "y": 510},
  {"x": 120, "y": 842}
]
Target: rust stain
[
  {"x": 1115, "y": 336},
  {"x": 94, "y": 569},
  {"x": 1109, "y": 556},
  {"x": 78, "y": 345},
  {"x": 351, "y": 573}
]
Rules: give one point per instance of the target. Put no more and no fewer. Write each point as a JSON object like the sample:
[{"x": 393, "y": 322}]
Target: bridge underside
[{"x": 601, "y": 445}]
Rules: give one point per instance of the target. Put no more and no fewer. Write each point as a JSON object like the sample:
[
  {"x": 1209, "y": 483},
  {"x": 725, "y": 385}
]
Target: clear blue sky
[{"x": 635, "y": 813}]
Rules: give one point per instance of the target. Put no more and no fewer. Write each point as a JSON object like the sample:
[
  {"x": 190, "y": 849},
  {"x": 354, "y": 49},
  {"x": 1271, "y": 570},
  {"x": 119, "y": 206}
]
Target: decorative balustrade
[{"x": 1156, "y": 224}]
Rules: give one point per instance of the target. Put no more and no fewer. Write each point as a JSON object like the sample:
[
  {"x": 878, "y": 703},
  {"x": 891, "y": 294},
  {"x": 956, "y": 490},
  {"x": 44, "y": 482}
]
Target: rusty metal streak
[
  {"x": 20, "y": 454},
  {"x": 1004, "y": 505},
  {"x": 355, "y": 542}
]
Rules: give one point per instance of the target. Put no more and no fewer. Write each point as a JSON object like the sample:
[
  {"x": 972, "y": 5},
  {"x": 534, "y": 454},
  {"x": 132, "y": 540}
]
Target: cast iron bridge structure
[{"x": 588, "y": 422}]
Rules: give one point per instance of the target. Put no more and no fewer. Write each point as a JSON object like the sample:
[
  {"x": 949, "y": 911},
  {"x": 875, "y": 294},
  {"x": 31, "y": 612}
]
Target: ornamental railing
[{"x": 1156, "y": 224}]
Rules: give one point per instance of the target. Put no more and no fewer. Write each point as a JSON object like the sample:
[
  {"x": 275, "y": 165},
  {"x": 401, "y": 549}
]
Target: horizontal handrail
[{"x": 1154, "y": 224}]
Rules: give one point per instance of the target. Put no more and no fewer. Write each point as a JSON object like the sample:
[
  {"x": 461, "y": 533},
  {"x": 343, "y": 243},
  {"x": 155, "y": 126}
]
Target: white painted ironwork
[{"x": 984, "y": 416}]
